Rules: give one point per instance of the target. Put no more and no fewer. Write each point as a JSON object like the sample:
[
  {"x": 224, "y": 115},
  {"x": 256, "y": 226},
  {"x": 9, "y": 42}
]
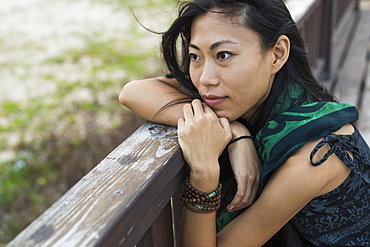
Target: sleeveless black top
[{"x": 342, "y": 216}]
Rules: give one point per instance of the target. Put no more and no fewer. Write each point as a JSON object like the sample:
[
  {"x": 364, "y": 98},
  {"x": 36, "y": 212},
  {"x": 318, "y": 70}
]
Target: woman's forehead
[
  {"x": 214, "y": 27},
  {"x": 219, "y": 18}
]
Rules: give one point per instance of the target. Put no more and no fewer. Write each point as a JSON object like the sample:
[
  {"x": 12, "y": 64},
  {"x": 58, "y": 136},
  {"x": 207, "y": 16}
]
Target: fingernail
[{"x": 230, "y": 208}]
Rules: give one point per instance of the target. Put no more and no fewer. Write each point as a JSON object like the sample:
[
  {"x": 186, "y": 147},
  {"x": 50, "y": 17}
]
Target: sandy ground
[{"x": 34, "y": 30}]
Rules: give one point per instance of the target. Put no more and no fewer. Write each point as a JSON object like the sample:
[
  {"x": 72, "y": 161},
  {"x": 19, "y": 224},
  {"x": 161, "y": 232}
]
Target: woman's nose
[{"x": 209, "y": 75}]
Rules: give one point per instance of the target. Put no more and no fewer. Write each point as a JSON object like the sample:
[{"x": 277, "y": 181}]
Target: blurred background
[{"x": 62, "y": 66}]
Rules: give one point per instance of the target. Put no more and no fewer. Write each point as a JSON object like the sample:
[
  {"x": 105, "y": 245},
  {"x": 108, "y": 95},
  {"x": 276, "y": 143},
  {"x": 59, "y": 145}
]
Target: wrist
[
  {"x": 199, "y": 201},
  {"x": 240, "y": 138},
  {"x": 237, "y": 129},
  {"x": 205, "y": 178}
]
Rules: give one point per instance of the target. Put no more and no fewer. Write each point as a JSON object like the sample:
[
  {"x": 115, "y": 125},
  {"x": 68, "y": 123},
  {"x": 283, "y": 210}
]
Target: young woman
[{"x": 242, "y": 91}]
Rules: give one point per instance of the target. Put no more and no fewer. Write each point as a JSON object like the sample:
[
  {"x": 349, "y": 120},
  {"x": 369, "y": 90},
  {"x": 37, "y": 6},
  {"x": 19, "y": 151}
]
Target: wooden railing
[
  {"x": 325, "y": 26},
  {"x": 126, "y": 199},
  {"x": 118, "y": 200}
]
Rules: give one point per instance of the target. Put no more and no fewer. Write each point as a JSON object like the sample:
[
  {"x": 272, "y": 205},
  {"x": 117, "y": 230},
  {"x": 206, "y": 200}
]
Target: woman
[{"x": 244, "y": 68}]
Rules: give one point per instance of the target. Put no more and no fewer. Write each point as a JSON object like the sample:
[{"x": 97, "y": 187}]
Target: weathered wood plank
[
  {"x": 348, "y": 88},
  {"x": 178, "y": 209},
  {"x": 160, "y": 232},
  {"x": 342, "y": 35},
  {"x": 364, "y": 120},
  {"x": 113, "y": 192},
  {"x": 136, "y": 218}
]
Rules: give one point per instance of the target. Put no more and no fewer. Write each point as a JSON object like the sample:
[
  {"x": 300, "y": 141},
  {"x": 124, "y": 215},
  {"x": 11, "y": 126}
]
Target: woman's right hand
[{"x": 202, "y": 138}]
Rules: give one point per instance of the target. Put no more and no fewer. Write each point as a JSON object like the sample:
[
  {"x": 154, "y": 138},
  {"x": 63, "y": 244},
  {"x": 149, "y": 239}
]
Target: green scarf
[{"x": 282, "y": 136}]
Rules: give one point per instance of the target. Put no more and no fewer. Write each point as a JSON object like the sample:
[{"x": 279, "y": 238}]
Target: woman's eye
[
  {"x": 223, "y": 55},
  {"x": 193, "y": 57}
]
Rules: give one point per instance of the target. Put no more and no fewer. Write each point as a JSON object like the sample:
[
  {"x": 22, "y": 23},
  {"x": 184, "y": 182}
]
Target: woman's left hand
[{"x": 246, "y": 166}]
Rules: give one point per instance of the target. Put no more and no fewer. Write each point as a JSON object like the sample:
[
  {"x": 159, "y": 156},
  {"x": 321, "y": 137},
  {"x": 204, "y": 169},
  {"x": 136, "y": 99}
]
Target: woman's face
[{"x": 228, "y": 67}]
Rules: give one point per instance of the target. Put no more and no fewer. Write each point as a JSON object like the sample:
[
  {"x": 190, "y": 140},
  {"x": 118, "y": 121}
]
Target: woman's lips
[{"x": 212, "y": 100}]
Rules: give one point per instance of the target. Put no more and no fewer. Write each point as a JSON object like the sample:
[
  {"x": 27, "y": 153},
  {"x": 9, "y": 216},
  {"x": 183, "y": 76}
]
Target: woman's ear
[{"x": 281, "y": 52}]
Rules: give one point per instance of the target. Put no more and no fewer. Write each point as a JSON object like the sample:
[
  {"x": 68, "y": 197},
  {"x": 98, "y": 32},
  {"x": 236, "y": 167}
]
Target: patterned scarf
[{"x": 282, "y": 136}]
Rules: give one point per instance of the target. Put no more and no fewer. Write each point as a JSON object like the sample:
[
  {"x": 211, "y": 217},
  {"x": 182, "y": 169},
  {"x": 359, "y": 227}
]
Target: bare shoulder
[
  {"x": 306, "y": 149},
  {"x": 325, "y": 177}
]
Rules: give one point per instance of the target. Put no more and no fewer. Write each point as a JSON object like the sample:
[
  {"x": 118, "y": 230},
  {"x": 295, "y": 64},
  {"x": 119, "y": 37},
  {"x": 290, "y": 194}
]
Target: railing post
[
  {"x": 178, "y": 209},
  {"x": 160, "y": 233},
  {"x": 326, "y": 36},
  {"x": 357, "y": 5}
]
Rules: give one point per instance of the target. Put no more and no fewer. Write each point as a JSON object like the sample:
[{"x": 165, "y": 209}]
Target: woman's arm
[
  {"x": 148, "y": 97},
  {"x": 291, "y": 187},
  {"x": 246, "y": 166},
  {"x": 202, "y": 138}
]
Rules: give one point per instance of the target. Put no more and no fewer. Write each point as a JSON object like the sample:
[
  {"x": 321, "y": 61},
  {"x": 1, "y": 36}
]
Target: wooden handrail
[
  {"x": 115, "y": 203},
  {"x": 126, "y": 199}
]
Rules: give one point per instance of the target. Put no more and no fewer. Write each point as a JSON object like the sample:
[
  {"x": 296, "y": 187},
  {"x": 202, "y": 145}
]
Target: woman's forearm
[
  {"x": 202, "y": 138},
  {"x": 148, "y": 97},
  {"x": 198, "y": 229}
]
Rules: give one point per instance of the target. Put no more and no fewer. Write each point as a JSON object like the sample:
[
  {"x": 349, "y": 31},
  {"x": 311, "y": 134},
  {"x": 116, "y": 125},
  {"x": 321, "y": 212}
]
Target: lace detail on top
[{"x": 342, "y": 216}]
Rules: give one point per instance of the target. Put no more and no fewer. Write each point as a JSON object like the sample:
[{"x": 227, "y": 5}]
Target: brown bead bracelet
[
  {"x": 201, "y": 201},
  {"x": 195, "y": 210}
]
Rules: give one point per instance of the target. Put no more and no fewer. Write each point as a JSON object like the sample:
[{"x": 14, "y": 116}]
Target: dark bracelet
[
  {"x": 239, "y": 138},
  {"x": 201, "y": 201}
]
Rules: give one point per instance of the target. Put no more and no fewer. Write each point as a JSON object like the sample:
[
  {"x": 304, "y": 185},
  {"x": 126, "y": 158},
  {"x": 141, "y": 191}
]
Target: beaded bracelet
[
  {"x": 201, "y": 201},
  {"x": 196, "y": 210},
  {"x": 239, "y": 138}
]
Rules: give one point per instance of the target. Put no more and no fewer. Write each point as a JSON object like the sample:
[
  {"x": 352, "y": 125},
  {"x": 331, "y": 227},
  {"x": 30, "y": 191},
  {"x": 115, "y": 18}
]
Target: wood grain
[{"x": 105, "y": 208}]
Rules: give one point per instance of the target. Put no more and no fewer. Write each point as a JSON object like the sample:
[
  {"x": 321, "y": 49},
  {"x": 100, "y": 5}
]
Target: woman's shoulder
[
  {"x": 315, "y": 150},
  {"x": 297, "y": 131},
  {"x": 315, "y": 161}
]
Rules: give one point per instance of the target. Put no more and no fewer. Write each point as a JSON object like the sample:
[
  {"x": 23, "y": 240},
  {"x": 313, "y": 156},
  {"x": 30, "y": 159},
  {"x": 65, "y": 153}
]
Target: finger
[
  {"x": 246, "y": 201},
  {"x": 239, "y": 196},
  {"x": 225, "y": 124},
  {"x": 235, "y": 203},
  {"x": 180, "y": 123},
  {"x": 188, "y": 111},
  {"x": 197, "y": 107},
  {"x": 207, "y": 109},
  {"x": 180, "y": 127},
  {"x": 249, "y": 196},
  {"x": 254, "y": 191}
]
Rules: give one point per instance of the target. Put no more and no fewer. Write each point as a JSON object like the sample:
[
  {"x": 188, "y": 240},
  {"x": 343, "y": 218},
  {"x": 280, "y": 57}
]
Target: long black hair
[{"x": 269, "y": 19}]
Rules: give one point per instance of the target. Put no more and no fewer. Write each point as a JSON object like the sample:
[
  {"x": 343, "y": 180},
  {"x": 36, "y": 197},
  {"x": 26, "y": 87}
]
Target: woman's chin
[{"x": 221, "y": 114}]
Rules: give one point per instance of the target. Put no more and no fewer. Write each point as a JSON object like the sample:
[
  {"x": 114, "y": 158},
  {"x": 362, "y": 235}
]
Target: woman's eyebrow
[
  {"x": 215, "y": 45},
  {"x": 194, "y": 46}
]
